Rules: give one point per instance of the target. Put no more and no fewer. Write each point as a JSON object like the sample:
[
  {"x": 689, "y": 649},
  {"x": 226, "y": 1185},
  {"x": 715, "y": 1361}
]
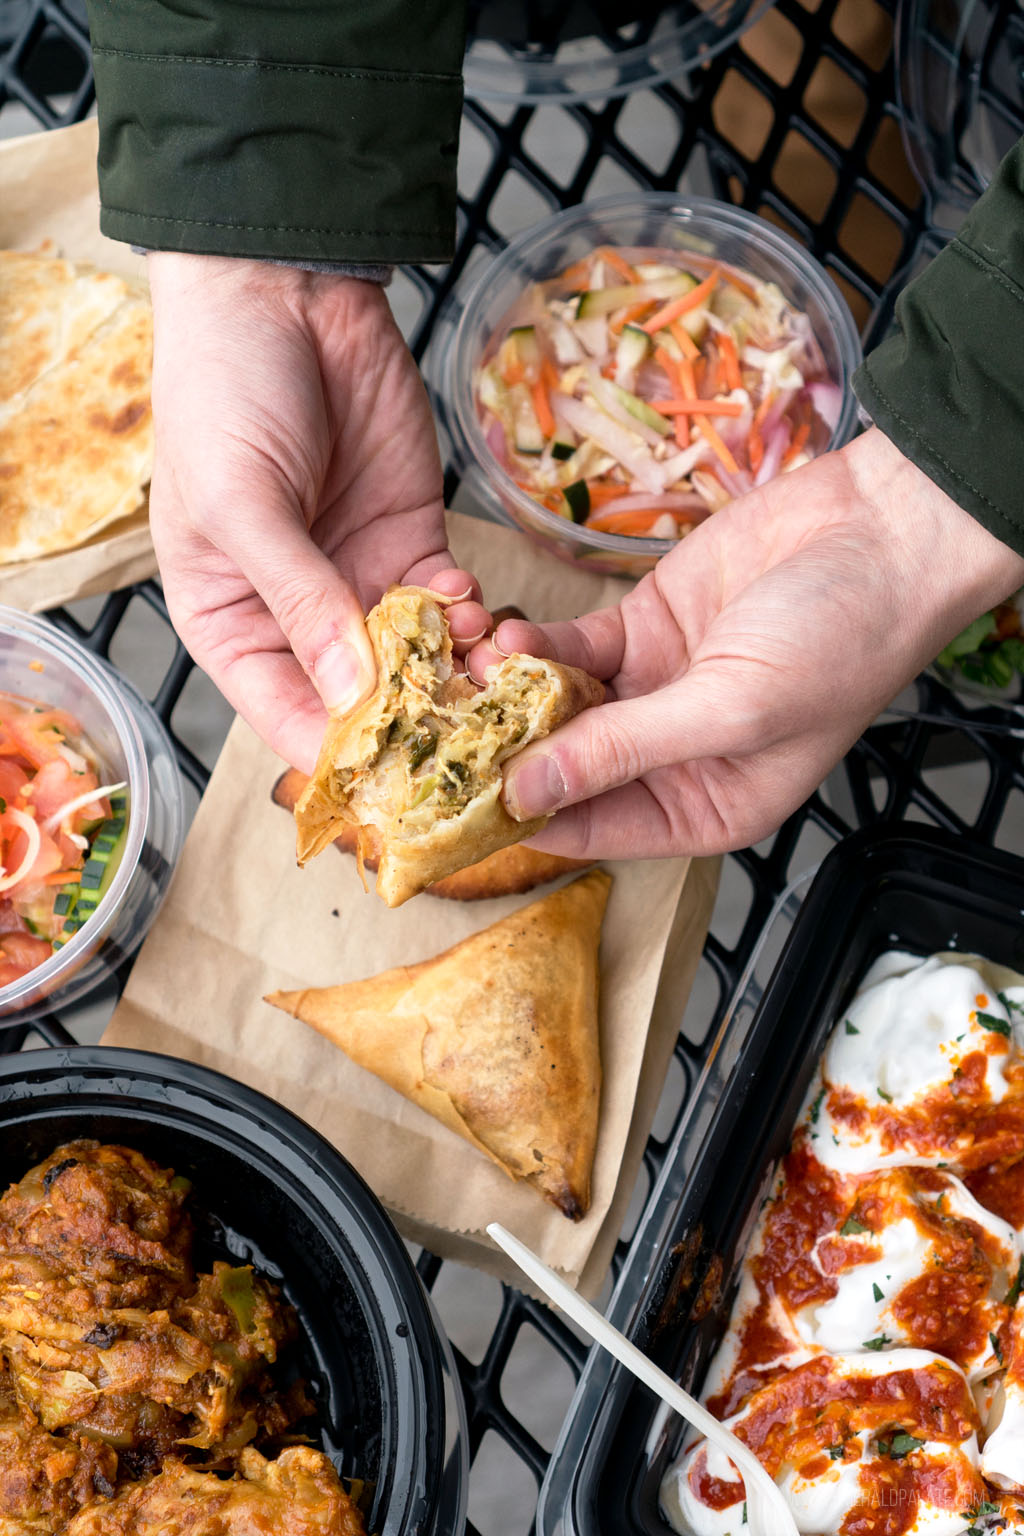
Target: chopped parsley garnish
[
  {"x": 886, "y": 1096},
  {"x": 997, "y": 1349},
  {"x": 882, "y": 1342},
  {"x": 851, "y": 1226},
  {"x": 851, "y": 1029},
  {"x": 836, "y": 1451},
  {"x": 900, "y": 1445},
  {"x": 744, "y": 1520},
  {"x": 997, "y": 1026},
  {"x": 3, "y": 805},
  {"x": 1015, "y": 1289},
  {"x": 1009, "y": 1004},
  {"x": 877, "y": 1292},
  {"x": 816, "y": 1108}
]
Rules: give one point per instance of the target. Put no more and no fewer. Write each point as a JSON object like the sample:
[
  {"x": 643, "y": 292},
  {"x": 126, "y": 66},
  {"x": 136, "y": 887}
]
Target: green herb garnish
[
  {"x": 882, "y": 1342},
  {"x": 997, "y": 1026},
  {"x": 877, "y": 1292},
  {"x": 851, "y": 1227}
]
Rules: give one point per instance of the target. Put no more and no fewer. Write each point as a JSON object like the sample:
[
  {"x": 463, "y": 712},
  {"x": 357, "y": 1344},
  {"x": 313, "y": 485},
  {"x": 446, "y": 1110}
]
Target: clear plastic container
[
  {"x": 38, "y": 662},
  {"x": 586, "y": 50},
  {"x": 659, "y": 221},
  {"x": 960, "y": 72}
]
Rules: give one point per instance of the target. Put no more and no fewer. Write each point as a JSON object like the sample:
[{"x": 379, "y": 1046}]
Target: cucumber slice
[
  {"x": 642, "y": 411},
  {"x": 527, "y": 349},
  {"x": 101, "y": 866},
  {"x": 634, "y": 345},
  {"x": 602, "y": 301},
  {"x": 577, "y": 499},
  {"x": 526, "y": 434},
  {"x": 561, "y": 450}
]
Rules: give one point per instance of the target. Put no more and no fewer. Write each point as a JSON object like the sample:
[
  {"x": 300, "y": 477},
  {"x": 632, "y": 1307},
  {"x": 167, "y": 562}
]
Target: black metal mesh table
[{"x": 797, "y": 121}]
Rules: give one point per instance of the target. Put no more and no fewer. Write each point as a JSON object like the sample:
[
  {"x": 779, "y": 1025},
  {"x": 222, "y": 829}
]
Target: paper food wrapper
[
  {"x": 242, "y": 920},
  {"x": 49, "y": 193}
]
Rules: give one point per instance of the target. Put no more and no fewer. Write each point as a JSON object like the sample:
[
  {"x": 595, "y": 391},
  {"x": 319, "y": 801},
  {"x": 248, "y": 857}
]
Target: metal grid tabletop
[{"x": 798, "y": 121}]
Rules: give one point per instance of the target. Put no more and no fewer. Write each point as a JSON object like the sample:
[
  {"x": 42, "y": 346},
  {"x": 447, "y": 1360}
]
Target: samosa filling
[{"x": 446, "y": 739}]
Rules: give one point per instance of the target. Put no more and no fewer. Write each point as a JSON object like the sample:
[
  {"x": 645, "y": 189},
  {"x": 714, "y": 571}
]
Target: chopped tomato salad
[
  {"x": 641, "y": 390},
  {"x": 61, "y": 833}
]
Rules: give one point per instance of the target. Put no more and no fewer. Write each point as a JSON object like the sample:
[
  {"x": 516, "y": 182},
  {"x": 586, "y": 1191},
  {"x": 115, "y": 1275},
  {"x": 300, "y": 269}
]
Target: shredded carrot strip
[
  {"x": 681, "y": 306},
  {"x": 755, "y": 442},
  {"x": 721, "y": 451},
  {"x": 684, "y": 340},
  {"x": 675, "y": 378},
  {"x": 730, "y": 360},
  {"x": 629, "y": 315},
  {"x": 800, "y": 437},
  {"x": 617, "y": 263},
  {"x": 542, "y": 406},
  {"x": 599, "y": 493},
  {"x": 578, "y": 272},
  {"x": 696, "y": 407},
  {"x": 63, "y": 877},
  {"x": 636, "y": 519},
  {"x": 744, "y": 287},
  {"x": 688, "y": 375}
]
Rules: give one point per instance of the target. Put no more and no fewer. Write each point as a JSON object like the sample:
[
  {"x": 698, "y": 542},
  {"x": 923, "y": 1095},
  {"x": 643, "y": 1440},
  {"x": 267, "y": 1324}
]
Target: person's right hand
[
  {"x": 743, "y": 667},
  {"x": 297, "y": 476}
]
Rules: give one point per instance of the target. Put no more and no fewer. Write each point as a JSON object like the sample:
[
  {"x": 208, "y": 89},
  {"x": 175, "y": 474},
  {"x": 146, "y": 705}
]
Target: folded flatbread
[
  {"x": 76, "y": 429},
  {"x": 506, "y": 872},
  {"x": 417, "y": 768},
  {"x": 497, "y": 1037}
]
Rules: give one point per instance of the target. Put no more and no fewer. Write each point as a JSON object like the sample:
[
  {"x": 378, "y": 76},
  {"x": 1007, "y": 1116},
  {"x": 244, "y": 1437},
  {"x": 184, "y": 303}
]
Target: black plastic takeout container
[
  {"x": 904, "y": 887},
  {"x": 268, "y": 1190}
]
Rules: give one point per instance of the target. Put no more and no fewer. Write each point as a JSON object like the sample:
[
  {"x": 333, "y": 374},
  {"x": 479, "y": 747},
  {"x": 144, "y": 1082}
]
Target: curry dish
[{"x": 135, "y": 1394}]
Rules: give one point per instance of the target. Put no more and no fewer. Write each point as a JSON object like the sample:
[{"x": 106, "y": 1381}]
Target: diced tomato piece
[
  {"x": 12, "y": 778},
  {"x": 55, "y": 784},
  {"x": 19, "y": 954},
  {"x": 35, "y": 734}
]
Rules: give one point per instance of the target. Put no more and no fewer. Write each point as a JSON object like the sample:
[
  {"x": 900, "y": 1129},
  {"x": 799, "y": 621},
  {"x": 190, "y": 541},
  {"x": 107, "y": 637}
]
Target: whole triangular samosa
[
  {"x": 417, "y": 767},
  {"x": 497, "y": 1037}
]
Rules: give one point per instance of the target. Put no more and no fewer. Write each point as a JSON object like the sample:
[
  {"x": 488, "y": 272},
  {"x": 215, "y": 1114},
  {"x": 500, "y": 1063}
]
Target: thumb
[
  {"x": 615, "y": 743},
  {"x": 319, "y": 614}
]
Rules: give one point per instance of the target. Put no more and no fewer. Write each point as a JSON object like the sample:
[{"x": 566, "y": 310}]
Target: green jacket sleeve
[
  {"x": 947, "y": 386},
  {"x": 317, "y": 130}
]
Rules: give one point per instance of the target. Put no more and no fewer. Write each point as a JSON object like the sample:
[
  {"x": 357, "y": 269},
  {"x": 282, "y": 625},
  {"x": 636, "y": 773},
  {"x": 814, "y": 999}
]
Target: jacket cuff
[
  {"x": 244, "y": 157},
  {"x": 947, "y": 386}
]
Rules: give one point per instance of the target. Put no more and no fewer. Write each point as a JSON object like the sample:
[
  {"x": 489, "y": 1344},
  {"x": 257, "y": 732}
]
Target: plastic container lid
[
  {"x": 579, "y": 50},
  {"x": 960, "y": 71}
]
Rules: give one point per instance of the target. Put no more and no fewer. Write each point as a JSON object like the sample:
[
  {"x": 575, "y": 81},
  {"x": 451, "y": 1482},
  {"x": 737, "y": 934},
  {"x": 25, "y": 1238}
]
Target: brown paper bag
[
  {"x": 242, "y": 920},
  {"x": 49, "y": 193}
]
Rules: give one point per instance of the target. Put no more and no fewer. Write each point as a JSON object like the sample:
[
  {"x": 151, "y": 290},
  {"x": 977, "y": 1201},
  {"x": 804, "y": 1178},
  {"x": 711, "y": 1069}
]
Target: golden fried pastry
[
  {"x": 417, "y": 768},
  {"x": 497, "y": 1037},
  {"x": 508, "y": 871}
]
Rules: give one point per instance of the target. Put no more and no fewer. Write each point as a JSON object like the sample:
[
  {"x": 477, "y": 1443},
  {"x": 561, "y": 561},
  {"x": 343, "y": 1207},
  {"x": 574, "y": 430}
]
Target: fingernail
[
  {"x": 456, "y": 597},
  {"x": 534, "y": 788},
  {"x": 499, "y": 648},
  {"x": 472, "y": 639},
  {"x": 339, "y": 677}
]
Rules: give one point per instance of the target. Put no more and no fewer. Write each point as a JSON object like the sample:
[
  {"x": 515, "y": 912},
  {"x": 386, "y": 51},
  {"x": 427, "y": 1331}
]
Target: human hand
[
  {"x": 297, "y": 476},
  {"x": 744, "y": 666}
]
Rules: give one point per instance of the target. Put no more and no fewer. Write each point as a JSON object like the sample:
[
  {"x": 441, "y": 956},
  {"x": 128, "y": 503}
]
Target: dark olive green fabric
[
  {"x": 319, "y": 130},
  {"x": 947, "y": 387}
]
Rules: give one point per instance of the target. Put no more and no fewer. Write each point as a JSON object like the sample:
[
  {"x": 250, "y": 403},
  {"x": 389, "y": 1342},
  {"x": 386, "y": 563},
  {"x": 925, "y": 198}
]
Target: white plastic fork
[{"x": 768, "y": 1514}]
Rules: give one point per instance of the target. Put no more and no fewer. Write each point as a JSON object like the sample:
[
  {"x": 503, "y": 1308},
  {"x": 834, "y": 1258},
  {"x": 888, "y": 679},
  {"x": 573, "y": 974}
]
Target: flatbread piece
[
  {"x": 76, "y": 429},
  {"x": 417, "y": 768},
  {"x": 497, "y": 1037}
]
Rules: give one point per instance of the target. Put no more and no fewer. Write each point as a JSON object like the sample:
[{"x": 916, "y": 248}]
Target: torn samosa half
[
  {"x": 417, "y": 767},
  {"x": 497, "y": 1038}
]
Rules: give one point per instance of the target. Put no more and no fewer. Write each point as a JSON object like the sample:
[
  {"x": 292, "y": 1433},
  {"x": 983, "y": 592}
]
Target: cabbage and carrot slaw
[
  {"x": 641, "y": 390},
  {"x": 61, "y": 833}
]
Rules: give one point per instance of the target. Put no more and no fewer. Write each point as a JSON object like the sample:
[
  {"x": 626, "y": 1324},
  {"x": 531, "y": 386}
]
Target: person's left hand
[{"x": 297, "y": 476}]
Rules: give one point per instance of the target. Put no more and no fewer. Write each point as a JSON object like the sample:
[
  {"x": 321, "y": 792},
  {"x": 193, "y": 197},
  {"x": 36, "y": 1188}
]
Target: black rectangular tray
[{"x": 902, "y": 887}]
